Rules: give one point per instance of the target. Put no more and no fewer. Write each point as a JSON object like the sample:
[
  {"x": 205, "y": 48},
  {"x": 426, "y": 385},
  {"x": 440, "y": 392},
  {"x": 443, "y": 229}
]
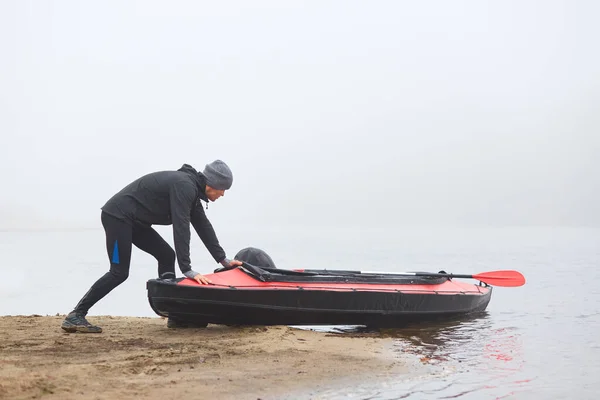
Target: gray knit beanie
[{"x": 218, "y": 175}]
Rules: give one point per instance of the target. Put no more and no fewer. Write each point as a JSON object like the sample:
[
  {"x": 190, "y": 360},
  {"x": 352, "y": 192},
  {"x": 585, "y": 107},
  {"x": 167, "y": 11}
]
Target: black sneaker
[
  {"x": 174, "y": 323},
  {"x": 75, "y": 322}
]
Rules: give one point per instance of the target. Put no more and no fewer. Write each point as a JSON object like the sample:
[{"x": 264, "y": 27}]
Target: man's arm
[
  {"x": 182, "y": 196},
  {"x": 207, "y": 234}
]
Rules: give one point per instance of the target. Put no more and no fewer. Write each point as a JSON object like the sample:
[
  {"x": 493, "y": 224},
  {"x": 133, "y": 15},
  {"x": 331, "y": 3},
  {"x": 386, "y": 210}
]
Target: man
[{"x": 159, "y": 198}]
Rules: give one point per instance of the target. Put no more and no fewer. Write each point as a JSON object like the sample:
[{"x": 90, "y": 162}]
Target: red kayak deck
[{"x": 238, "y": 279}]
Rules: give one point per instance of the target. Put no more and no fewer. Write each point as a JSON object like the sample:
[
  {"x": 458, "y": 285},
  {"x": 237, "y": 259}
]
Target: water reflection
[{"x": 468, "y": 357}]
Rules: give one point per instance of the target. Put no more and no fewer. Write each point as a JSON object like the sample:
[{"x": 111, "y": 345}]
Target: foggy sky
[{"x": 333, "y": 113}]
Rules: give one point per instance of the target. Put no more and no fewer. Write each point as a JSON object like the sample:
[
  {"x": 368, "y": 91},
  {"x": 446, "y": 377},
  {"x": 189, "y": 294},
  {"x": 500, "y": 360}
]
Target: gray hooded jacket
[{"x": 165, "y": 198}]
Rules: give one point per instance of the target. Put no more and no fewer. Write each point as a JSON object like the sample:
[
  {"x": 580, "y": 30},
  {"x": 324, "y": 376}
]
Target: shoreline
[{"x": 140, "y": 357}]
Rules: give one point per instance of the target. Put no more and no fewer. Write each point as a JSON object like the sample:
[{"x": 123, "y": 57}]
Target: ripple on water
[{"x": 470, "y": 357}]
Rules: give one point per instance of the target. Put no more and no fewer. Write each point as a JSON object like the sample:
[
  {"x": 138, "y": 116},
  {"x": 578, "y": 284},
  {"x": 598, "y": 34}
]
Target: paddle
[{"x": 507, "y": 278}]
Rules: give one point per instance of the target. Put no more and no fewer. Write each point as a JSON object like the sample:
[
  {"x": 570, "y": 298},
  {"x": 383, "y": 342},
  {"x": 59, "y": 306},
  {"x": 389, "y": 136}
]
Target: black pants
[{"x": 120, "y": 235}]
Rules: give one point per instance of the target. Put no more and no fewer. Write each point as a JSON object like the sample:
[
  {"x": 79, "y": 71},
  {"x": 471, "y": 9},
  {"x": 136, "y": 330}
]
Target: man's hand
[
  {"x": 228, "y": 264},
  {"x": 234, "y": 263},
  {"x": 201, "y": 279}
]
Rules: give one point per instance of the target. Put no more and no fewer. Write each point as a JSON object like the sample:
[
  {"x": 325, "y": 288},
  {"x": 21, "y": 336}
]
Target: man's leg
[
  {"x": 150, "y": 241},
  {"x": 118, "y": 246}
]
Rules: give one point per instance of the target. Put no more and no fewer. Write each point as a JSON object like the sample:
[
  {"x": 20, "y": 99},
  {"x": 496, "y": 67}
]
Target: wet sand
[{"x": 142, "y": 358}]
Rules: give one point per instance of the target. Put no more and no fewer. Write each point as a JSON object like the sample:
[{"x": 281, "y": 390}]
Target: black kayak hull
[{"x": 297, "y": 306}]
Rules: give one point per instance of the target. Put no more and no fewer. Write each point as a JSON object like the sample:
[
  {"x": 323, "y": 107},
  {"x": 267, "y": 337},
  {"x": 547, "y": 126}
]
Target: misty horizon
[{"x": 343, "y": 114}]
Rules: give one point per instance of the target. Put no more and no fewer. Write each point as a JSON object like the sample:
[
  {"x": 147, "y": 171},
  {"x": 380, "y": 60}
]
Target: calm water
[{"x": 539, "y": 341}]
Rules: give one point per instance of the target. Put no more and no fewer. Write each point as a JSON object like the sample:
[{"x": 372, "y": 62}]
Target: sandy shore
[{"x": 142, "y": 358}]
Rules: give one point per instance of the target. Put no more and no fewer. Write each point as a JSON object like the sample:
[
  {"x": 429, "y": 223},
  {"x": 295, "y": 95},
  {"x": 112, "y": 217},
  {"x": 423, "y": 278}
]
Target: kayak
[{"x": 252, "y": 295}]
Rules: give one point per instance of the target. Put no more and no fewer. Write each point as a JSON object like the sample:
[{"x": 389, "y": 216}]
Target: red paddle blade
[{"x": 507, "y": 278}]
